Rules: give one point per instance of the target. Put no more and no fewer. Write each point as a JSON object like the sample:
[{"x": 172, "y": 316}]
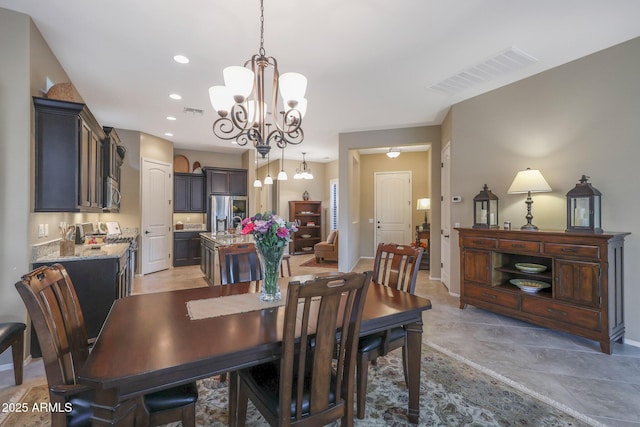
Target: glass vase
[{"x": 270, "y": 258}]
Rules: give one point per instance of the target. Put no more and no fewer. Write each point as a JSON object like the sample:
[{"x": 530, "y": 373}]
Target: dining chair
[
  {"x": 306, "y": 387},
  {"x": 56, "y": 315},
  {"x": 395, "y": 266},
  {"x": 239, "y": 263}
]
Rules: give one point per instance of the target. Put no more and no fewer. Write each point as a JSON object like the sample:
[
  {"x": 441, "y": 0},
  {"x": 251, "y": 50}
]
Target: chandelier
[
  {"x": 244, "y": 118},
  {"x": 304, "y": 171}
]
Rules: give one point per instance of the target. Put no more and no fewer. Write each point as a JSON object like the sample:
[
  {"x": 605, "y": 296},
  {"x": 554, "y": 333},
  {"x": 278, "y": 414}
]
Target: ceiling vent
[
  {"x": 193, "y": 111},
  {"x": 505, "y": 62}
]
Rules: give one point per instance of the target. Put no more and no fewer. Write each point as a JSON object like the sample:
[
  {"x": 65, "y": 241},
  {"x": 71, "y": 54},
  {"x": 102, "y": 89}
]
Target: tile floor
[{"x": 562, "y": 367}]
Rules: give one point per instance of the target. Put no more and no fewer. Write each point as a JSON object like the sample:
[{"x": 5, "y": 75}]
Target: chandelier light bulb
[{"x": 221, "y": 99}]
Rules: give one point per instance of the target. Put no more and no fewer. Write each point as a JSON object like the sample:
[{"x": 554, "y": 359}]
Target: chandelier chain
[{"x": 262, "y": 51}]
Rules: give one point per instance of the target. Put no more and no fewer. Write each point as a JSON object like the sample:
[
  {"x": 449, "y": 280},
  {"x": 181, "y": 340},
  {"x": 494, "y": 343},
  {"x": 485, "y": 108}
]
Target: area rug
[
  {"x": 452, "y": 393},
  {"x": 323, "y": 264}
]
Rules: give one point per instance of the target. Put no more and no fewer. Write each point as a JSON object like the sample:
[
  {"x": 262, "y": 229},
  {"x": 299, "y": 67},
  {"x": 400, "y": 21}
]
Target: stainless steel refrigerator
[{"x": 226, "y": 212}]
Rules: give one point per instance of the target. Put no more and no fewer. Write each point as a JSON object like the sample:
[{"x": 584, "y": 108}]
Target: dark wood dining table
[{"x": 148, "y": 342}]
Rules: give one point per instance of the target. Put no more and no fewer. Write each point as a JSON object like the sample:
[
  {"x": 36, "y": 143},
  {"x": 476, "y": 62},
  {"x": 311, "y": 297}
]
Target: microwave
[{"x": 111, "y": 195}]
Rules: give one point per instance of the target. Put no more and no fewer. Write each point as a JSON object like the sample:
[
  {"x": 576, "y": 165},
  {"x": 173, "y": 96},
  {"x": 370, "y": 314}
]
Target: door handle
[
  {"x": 147, "y": 232},
  {"x": 446, "y": 235}
]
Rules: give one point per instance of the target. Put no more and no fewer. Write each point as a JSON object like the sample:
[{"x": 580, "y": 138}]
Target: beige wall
[
  {"x": 208, "y": 158},
  {"x": 415, "y": 162},
  {"x": 580, "y": 118}
]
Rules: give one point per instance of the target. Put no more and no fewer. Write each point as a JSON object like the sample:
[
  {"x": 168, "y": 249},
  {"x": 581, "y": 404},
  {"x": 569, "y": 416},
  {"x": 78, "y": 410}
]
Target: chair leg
[
  {"x": 17, "y": 350},
  {"x": 243, "y": 403},
  {"x": 405, "y": 363},
  {"x": 362, "y": 374},
  {"x": 189, "y": 416}
]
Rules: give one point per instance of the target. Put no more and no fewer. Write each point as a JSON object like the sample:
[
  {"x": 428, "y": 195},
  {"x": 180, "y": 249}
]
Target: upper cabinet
[
  {"x": 188, "y": 192},
  {"x": 224, "y": 181},
  {"x": 113, "y": 153},
  {"x": 68, "y": 157}
]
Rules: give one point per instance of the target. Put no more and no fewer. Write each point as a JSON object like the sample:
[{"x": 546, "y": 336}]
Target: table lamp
[
  {"x": 424, "y": 205},
  {"x": 529, "y": 181}
]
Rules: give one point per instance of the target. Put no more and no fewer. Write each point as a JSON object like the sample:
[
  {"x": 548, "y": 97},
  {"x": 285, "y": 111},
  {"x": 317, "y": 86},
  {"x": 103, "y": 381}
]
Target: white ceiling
[{"x": 370, "y": 63}]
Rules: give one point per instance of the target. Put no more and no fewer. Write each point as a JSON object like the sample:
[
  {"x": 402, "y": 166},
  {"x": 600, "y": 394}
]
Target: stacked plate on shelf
[
  {"x": 527, "y": 267},
  {"x": 529, "y": 285}
]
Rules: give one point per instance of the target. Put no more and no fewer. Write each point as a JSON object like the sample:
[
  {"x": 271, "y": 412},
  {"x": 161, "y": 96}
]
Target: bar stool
[{"x": 12, "y": 335}]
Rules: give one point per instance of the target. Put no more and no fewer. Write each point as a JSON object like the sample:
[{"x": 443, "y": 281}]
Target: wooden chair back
[
  {"x": 324, "y": 305},
  {"x": 55, "y": 312},
  {"x": 397, "y": 266},
  {"x": 239, "y": 263}
]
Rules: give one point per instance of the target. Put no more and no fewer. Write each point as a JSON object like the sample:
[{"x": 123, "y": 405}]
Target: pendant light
[
  {"x": 268, "y": 180},
  {"x": 282, "y": 175}
]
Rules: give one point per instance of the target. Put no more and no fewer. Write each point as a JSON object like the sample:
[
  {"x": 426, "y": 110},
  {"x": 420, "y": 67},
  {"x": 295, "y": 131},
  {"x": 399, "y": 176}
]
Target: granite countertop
[
  {"x": 84, "y": 252},
  {"x": 224, "y": 239},
  {"x": 201, "y": 230}
]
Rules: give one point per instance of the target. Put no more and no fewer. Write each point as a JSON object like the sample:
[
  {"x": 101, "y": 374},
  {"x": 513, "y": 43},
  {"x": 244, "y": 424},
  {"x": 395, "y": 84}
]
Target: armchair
[{"x": 327, "y": 250}]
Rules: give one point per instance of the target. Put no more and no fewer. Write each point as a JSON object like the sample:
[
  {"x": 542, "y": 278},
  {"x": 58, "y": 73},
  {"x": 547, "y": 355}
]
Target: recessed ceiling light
[
  {"x": 181, "y": 59},
  {"x": 168, "y": 134},
  {"x": 171, "y": 118},
  {"x": 175, "y": 96}
]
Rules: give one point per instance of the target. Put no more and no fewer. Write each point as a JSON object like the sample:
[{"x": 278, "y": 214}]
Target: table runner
[{"x": 232, "y": 304}]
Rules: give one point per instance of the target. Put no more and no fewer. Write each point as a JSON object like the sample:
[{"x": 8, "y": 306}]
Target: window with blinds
[{"x": 333, "y": 204}]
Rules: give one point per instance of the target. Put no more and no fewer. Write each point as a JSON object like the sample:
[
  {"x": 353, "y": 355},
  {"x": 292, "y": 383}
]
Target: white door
[
  {"x": 393, "y": 207},
  {"x": 156, "y": 216},
  {"x": 445, "y": 216}
]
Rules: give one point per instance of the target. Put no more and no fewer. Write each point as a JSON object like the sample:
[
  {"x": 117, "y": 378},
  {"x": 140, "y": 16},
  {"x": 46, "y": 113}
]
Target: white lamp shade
[
  {"x": 529, "y": 180},
  {"x": 301, "y": 106},
  {"x": 423, "y": 204},
  {"x": 239, "y": 81},
  {"x": 257, "y": 183},
  {"x": 297, "y": 175},
  {"x": 393, "y": 153},
  {"x": 293, "y": 86},
  {"x": 268, "y": 180},
  {"x": 221, "y": 98},
  {"x": 282, "y": 176}
]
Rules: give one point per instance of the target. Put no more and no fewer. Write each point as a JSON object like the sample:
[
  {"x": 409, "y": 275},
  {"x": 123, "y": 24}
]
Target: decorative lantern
[
  {"x": 584, "y": 208},
  {"x": 485, "y": 209}
]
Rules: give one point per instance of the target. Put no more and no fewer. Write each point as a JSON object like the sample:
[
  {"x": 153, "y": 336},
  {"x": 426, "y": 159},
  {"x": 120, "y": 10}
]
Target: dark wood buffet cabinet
[{"x": 584, "y": 271}]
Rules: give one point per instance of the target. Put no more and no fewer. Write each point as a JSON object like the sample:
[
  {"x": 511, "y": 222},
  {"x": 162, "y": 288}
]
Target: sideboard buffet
[{"x": 584, "y": 271}]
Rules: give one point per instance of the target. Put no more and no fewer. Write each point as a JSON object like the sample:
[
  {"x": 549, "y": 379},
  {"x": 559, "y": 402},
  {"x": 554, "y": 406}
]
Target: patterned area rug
[
  {"x": 452, "y": 393},
  {"x": 323, "y": 264}
]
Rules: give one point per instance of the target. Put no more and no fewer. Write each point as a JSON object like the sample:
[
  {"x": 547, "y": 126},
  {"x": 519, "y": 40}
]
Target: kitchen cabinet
[
  {"x": 584, "y": 273},
  {"x": 98, "y": 283},
  {"x": 68, "y": 157},
  {"x": 208, "y": 255},
  {"x": 186, "y": 248},
  {"x": 225, "y": 181},
  {"x": 308, "y": 215},
  {"x": 113, "y": 154},
  {"x": 189, "y": 192}
]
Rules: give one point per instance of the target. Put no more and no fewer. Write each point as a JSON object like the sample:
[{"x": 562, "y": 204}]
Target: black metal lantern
[
  {"x": 584, "y": 208},
  {"x": 485, "y": 209}
]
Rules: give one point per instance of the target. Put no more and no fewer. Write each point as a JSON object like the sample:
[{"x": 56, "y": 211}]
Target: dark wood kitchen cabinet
[
  {"x": 584, "y": 274},
  {"x": 189, "y": 192},
  {"x": 186, "y": 248},
  {"x": 68, "y": 157},
  {"x": 113, "y": 154},
  {"x": 225, "y": 181}
]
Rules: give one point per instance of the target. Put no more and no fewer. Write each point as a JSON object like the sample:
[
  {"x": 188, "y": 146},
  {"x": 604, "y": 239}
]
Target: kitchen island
[{"x": 209, "y": 244}]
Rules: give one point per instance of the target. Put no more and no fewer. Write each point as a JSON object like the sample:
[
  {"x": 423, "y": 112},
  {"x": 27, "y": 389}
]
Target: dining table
[{"x": 152, "y": 341}]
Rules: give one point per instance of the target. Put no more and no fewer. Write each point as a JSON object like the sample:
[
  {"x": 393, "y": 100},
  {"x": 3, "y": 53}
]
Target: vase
[{"x": 270, "y": 258}]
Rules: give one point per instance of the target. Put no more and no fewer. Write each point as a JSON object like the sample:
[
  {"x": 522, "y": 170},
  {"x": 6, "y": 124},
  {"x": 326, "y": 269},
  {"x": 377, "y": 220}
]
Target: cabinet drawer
[
  {"x": 572, "y": 250},
  {"x": 582, "y": 317},
  {"x": 479, "y": 242},
  {"x": 493, "y": 296},
  {"x": 519, "y": 245}
]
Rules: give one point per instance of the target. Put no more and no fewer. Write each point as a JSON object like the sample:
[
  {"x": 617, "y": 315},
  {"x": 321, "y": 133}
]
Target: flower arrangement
[
  {"x": 271, "y": 234},
  {"x": 268, "y": 229}
]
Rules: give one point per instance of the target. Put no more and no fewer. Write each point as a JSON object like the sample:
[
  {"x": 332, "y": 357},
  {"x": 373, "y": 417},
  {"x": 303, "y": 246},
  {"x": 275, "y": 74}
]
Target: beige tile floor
[{"x": 562, "y": 367}]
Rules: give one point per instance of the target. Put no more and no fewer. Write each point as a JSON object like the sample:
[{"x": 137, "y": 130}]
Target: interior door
[
  {"x": 445, "y": 216},
  {"x": 393, "y": 207},
  {"x": 156, "y": 216}
]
